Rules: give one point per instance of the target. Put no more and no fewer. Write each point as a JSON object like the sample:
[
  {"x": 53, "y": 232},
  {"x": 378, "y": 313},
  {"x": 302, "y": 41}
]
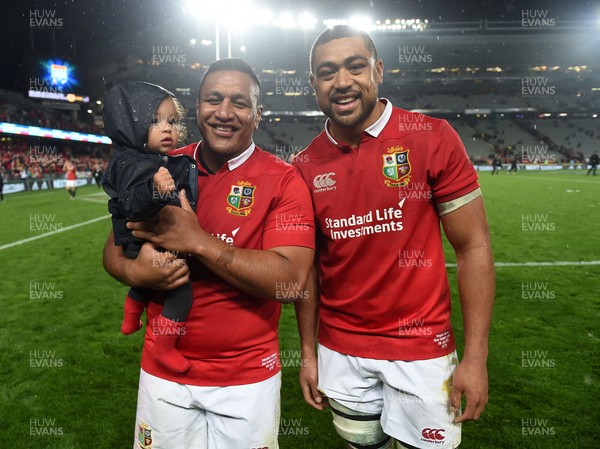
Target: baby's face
[{"x": 163, "y": 133}]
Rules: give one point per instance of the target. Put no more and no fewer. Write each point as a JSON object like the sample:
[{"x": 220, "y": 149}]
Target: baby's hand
[{"x": 163, "y": 182}]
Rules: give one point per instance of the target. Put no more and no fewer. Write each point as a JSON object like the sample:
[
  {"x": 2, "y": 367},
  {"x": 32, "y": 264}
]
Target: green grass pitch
[{"x": 68, "y": 378}]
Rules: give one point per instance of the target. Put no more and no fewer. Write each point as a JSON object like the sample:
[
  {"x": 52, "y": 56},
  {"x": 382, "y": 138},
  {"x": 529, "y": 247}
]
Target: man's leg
[
  {"x": 355, "y": 396},
  {"x": 416, "y": 402},
  {"x": 167, "y": 416}
]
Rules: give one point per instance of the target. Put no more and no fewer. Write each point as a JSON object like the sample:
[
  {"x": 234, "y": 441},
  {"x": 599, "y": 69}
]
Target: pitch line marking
[
  {"x": 581, "y": 181},
  {"x": 540, "y": 264},
  {"x": 47, "y": 234},
  {"x": 93, "y": 200}
]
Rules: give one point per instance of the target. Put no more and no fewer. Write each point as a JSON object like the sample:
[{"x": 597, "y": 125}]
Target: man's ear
[
  {"x": 259, "y": 112},
  {"x": 312, "y": 81},
  {"x": 379, "y": 71}
]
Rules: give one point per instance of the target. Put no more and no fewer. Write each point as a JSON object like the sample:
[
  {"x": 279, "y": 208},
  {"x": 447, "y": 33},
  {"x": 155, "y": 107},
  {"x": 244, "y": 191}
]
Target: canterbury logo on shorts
[{"x": 435, "y": 435}]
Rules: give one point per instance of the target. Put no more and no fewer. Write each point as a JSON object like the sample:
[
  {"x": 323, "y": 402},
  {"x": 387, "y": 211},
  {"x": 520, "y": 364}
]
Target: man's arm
[
  {"x": 151, "y": 269},
  {"x": 263, "y": 273},
  {"x": 467, "y": 232},
  {"x": 307, "y": 317}
]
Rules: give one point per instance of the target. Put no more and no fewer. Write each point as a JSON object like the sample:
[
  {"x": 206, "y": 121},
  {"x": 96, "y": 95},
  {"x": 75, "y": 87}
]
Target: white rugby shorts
[
  {"x": 171, "y": 415},
  {"x": 412, "y": 397}
]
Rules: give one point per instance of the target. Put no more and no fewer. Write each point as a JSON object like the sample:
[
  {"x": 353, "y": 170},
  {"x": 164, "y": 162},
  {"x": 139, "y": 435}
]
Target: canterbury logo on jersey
[{"x": 324, "y": 182}]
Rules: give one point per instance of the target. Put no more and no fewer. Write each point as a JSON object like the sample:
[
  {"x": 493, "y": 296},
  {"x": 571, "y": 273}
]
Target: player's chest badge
[
  {"x": 241, "y": 199},
  {"x": 396, "y": 167}
]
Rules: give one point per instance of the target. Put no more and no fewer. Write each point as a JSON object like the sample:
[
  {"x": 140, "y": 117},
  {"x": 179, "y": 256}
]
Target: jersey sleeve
[
  {"x": 454, "y": 176},
  {"x": 290, "y": 222}
]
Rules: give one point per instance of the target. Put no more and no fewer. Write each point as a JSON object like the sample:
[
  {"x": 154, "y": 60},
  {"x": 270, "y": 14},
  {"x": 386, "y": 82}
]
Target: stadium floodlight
[
  {"x": 193, "y": 41},
  {"x": 362, "y": 23},
  {"x": 238, "y": 13},
  {"x": 285, "y": 21},
  {"x": 307, "y": 21},
  {"x": 194, "y": 8},
  {"x": 333, "y": 22},
  {"x": 206, "y": 42},
  {"x": 243, "y": 48},
  {"x": 264, "y": 16}
]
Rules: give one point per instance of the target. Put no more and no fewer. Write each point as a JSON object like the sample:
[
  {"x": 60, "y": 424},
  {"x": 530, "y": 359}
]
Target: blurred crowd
[
  {"x": 44, "y": 118},
  {"x": 36, "y": 159}
]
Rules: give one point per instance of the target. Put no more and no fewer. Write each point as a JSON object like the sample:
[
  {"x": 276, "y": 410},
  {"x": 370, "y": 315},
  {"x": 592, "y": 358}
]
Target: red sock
[
  {"x": 166, "y": 333},
  {"x": 131, "y": 316}
]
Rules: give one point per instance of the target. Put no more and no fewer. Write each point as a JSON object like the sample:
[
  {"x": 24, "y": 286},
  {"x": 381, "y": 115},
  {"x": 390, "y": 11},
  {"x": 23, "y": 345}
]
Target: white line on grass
[
  {"x": 100, "y": 197},
  {"x": 93, "y": 200},
  {"x": 96, "y": 194},
  {"x": 47, "y": 234},
  {"x": 448, "y": 265},
  {"x": 540, "y": 264},
  {"x": 563, "y": 180}
]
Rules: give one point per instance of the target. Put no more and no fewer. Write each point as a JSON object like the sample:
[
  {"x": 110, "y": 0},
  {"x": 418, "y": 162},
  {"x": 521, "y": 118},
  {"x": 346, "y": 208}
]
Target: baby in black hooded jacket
[{"x": 144, "y": 122}]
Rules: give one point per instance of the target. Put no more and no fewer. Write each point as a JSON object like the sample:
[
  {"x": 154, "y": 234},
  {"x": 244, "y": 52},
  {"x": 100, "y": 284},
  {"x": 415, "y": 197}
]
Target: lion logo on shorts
[{"x": 144, "y": 435}]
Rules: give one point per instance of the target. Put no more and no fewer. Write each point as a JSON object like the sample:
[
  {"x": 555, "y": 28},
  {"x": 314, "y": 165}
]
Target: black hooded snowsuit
[{"x": 129, "y": 109}]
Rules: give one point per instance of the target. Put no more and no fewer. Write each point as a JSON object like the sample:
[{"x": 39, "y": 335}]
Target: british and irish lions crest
[
  {"x": 396, "y": 167},
  {"x": 241, "y": 199},
  {"x": 144, "y": 436}
]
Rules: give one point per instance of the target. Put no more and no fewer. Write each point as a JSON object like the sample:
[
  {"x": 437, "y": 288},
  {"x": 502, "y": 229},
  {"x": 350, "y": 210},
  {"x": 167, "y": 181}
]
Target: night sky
[{"x": 87, "y": 24}]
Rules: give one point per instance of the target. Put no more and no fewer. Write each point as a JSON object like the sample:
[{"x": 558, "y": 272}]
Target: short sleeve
[
  {"x": 454, "y": 175},
  {"x": 290, "y": 222}
]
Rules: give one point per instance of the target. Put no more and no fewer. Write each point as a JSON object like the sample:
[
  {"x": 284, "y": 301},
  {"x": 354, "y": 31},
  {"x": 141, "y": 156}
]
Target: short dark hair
[
  {"x": 339, "y": 32},
  {"x": 233, "y": 65}
]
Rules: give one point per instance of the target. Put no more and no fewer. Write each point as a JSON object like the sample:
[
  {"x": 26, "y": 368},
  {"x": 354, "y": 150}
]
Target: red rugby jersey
[
  {"x": 256, "y": 201},
  {"x": 384, "y": 289}
]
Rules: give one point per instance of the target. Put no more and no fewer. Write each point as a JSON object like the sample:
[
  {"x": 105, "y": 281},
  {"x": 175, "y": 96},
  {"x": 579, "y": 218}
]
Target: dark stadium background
[
  {"x": 63, "y": 360},
  {"x": 113, "y": 40}
]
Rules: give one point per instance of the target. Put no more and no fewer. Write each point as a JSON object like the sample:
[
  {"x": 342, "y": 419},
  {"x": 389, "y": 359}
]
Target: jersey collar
[
  {"x": 234, "y": 163},
  {"x": 373, "y": 130},
  {"x": 237, "y": 161}
]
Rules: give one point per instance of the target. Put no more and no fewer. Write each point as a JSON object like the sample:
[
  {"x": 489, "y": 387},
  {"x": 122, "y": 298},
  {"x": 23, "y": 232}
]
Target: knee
[{"x": 359, "y": 430}]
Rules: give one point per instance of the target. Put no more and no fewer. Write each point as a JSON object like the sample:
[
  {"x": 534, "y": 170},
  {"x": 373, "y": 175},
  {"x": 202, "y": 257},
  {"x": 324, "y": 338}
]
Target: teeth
[
  {"x": 346, "y": 100},
  {"x": 222, "y": 128}
]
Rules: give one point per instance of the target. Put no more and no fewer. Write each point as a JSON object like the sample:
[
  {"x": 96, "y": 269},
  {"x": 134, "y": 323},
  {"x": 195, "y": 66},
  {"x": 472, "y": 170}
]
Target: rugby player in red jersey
[
  {"x": 243, "y": 264},
  {"x": 382, "y": 180}
]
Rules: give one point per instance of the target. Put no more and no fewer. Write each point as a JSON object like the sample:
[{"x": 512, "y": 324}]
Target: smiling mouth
[
  {"x": 345, "y": 102},
  {"x": 224, "y": 129}
]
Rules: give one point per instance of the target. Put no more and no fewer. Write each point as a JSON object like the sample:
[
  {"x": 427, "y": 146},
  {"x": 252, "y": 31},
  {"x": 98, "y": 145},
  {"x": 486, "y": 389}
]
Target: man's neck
[
  {"x": 352, "y": 135},
  {"x": 212, "y": 160}
]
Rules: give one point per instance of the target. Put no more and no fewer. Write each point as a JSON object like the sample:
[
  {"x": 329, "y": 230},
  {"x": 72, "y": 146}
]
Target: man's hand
[
  {"x": 309, "y": 379},
  {"x": 151, "y": 269},
  {"x": 163, "y": 181},
  {"x": 471, "y": 380},
  {"x": 176, "y": 230}
]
